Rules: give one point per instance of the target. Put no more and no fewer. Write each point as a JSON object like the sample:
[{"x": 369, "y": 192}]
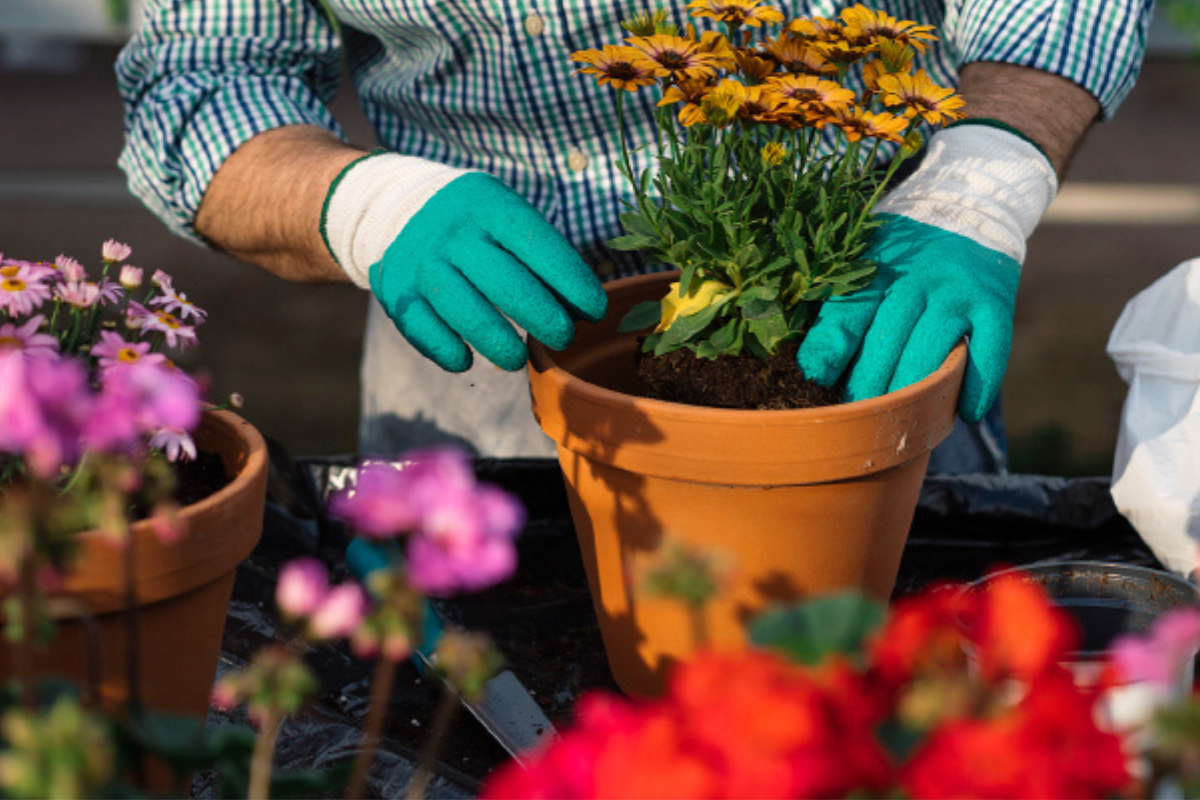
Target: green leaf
[
  {"x": 646, "y": 314},
  {"x": 638, "y": 224},
  {"x": 769, "y": 331},
  {"x": 813, "y": 630},
  {"x": 633, "y": 242},
  {"x": 684, "y": 328},
  {"x": 759, "y": 309}
]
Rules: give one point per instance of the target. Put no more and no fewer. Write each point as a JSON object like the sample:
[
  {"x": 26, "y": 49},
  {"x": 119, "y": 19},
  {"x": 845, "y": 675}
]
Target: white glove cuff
[
  {"x": 981, "y": 182},
  {"x": 371, "y": 203}
]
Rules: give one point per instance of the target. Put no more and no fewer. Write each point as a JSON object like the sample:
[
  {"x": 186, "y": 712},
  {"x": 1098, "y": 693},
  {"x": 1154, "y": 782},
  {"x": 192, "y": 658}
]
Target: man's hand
[
  {"x": 450, "y": 254},
  {"x": 949, "y": 258}
]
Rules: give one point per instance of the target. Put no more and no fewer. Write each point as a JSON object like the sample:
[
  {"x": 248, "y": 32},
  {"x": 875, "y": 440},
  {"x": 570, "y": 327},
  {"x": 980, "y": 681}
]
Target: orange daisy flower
[
  {"x": 816, "y": 29},
  {"x": 841, "y": 53},
  {"x": 736, "y": 12},
  {"x": 798, "y": 57},
  {"x": 921, "y": 96},
  {"x": 717, "y": 46},
  {"x": 864, "y": 26},
  {"x": 753, "y": 68},
  {"x": 690, "y": 93},
  {"x": 808, "y": 91},
  {"x": 623, "y": 67},
  {"x": 894, "y": 58},
  {"x": 723, "y": 103},
  {"x": 675, "y": 56},
  {"x": 858, "y": 123},
  {"x": 759, "y": 105}
]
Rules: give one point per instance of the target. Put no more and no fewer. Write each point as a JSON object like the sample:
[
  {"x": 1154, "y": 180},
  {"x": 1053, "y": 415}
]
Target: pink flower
[
  {"x": 113, "y": 349},
  {"x": 36, "y": 270},
  {"x": 80, "y": 294},
  {"x": 138, "y": 399},
  {"x": 162, "y": 280},
  {"x": 176, "y": 443},
  {"x": 1158, "y": 656},
  {"x": 303, "y": 584},
  {"x": 108, "y": 291},
  {"x": 70, "y": 270},
  {"x": 26, "y": 340},
  {"x": 460, "y": 534},
  {"x": 44, "y": 404},
  {"x": 226, "y": 695},
  {"x": 167, "y": 525},
  {"x": 175, "y": 302},
  {"x": 130, "y": 277},
  {"x": 22, "y": 290},
  {"x": 169, "y": 326},
  {"x": 340, "y": 612},
  {"x": 113, "y": 251}
]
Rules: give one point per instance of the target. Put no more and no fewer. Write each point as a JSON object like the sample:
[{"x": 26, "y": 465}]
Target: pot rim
[{"x": 736, "y": 446}]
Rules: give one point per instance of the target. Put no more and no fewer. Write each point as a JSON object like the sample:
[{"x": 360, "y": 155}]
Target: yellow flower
[
  {"x": 701, "y": 295},
  {"x": 815, "y": 29},
  {"x": 752, "y": 67},
  {"x": 721, "y": 105},
  {"x": 675, "y": 56},
  {"x": 842, "y": 53},
  {"x": 809, "y": 91},
  {"x": 690, "y": 93},
  {"x": 623, "y": 67},
  {"x": 858, "y": 123},
  {"x": 736, "y": 12},
  {"x": 798, "y": 57},
  {"x": 864, "y": 26},
  {"x": 759, "y": 105},
  {"x": 773, "y": 154},
  {"x": 714, "y": 44},
  {"x": 921, "y": 96}
]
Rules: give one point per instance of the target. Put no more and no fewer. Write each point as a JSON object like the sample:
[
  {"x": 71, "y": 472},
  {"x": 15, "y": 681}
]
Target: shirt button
[
  {"x": 577, "y": 161},
  {"x": 534, "y": 24}
]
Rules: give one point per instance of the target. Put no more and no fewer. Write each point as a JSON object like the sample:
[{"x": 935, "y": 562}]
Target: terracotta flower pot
[
  {"x": 182, "y": 589},
  {"x": 800, "y": 501}
]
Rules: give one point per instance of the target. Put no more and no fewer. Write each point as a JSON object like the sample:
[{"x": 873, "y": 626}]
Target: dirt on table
[{"x": 743, "y": 381}]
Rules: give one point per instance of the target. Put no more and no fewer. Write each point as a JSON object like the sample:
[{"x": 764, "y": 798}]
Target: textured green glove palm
[
  {"x": 476, "y": 253},
  {"x": 932, "y": 288}
]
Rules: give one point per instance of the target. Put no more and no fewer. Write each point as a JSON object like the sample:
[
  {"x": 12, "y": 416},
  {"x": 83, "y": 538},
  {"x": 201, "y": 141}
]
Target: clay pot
[
  {"x": 182, "y": 589},
  {"x": 798, "y": 502}
]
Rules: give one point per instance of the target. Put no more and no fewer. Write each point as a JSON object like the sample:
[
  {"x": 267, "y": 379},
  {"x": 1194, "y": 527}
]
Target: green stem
[
  {"x": 26, "y": 674},
  {"x": 381, "y": 692},
  {"x": 442, "y": 717},
  {"x": 263, "y": 758}
]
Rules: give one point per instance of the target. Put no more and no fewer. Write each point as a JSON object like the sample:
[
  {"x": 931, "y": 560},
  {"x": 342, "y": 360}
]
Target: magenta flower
[
  {"x": 1158, "y": 655},
  {"x": 109, "y": 291},
  {"x": 302, "y": 586},
  {"x": 26, "y": 340},
  {"x": 460, "y": 534},
  {"x": 44, "y": 405},
  {"x": 69, "y": 269},
  {"x": 340, "y": 612},
  {"x": 162, "y": 280},
  {"x": 113, "y": 349},
  {"x": 113, "y": 251},
  {"x": 22, "y": 290},
  {"x": 139, "y": 399}
]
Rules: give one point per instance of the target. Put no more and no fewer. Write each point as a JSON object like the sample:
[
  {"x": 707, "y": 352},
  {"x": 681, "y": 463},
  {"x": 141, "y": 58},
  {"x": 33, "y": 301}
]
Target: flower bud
[
  {"x": 340, "y": 612},
  {"x": 131, "y": 276},
  {"x": 302, "y": 587}
]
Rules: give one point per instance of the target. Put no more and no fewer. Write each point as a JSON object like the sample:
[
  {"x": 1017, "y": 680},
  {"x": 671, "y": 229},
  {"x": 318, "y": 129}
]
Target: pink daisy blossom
[
  {"x": 340, "y": 612},
  {"x": 113, "y": 251},
  {"x": 176, "y": 443},
  {"x": 22, "y": 290},
  {"x": 162, "y": 280},
  {"x": 139, "y": 399},
  {"x": 114, "y": 349},
  {"x": 80, "y": 294},
  {"x": 175, "y": 302},
  {"x": 69, "y": 269},
  {"x": 130, "y": 277},
  {"x": 1158, "y": 655},
  {"x": 170, "y": 326},
  {"x": 26, "y": 339},
  {"x": 302, "y": 586},
  {"x": 36, "y": 270},
  {"x": 109, "y": 292}
]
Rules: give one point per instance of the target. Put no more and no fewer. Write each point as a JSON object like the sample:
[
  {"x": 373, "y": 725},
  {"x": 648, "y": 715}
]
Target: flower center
[
  {"x": 167, "y": 319},
  {"x": 622, "y": 70},
  {"x": 11, "y": 343},
  {"x": 128, "y": 355},
  {"x": 13, "y": 285}
]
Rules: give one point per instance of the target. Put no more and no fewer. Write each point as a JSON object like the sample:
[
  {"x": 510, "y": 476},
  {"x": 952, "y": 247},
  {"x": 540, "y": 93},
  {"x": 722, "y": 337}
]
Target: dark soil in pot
[{"x": 742, "y": 381}]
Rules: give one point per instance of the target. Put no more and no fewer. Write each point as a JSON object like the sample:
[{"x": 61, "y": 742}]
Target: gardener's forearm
[
  {"x": 1052, "y": 111},
  {"x": 264, "y": 204}
]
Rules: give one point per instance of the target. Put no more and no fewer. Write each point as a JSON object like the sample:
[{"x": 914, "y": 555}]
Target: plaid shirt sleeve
[
  {"x": 200, "y": 78},
  {"x": 1097, "y": 44}
]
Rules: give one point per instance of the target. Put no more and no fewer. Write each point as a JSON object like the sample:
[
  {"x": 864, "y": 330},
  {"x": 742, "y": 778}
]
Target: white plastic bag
[{"x": 1156, "y": 469}]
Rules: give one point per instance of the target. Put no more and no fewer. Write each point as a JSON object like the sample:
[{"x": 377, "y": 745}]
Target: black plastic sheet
[{"x": 543, "y": 621}]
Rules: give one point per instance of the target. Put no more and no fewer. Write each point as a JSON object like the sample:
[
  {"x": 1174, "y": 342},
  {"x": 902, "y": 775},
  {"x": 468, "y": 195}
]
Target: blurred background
[{"x": 1129, "y": 212}]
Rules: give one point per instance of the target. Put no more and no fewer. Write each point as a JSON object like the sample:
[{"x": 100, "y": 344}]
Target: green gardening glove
[
  {"x": 450, "y": 254},
  {"x": 949, "y": 259}
]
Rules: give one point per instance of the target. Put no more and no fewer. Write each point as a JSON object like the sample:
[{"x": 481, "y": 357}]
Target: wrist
[
  {"x": 370, "y": 202},
  {"x": 981, "y": 181}
]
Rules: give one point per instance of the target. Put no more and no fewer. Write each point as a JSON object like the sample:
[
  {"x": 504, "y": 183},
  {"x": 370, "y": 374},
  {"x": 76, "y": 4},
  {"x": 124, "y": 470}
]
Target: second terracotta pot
[{"x": 798, "y": 502}]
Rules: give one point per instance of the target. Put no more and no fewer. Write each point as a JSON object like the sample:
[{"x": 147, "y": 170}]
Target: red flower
[
  {"x": 1048, "y": 745},
  {"x": 923, "y": 635},
  {"x": 1018, "y": 632}
]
